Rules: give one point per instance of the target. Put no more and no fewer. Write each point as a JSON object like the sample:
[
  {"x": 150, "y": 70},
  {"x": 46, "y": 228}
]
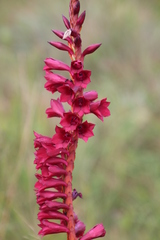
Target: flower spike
[{"x": 55, "y": 155}]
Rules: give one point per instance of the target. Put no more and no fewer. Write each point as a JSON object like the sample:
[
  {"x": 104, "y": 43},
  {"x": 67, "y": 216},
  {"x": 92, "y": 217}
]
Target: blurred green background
[{"x": 118, "y": 171}]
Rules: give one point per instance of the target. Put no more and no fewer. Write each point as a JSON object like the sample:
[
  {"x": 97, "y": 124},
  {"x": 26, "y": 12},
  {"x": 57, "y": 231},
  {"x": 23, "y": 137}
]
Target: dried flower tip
[
  {"x": 67, "y": 33},
  {"x": 76, "y": 194}
]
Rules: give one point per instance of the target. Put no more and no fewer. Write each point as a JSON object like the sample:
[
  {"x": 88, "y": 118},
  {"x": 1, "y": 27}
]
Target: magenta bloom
[
  {"x": 62, "y": 138},
  {"x": 81, "y": 106},
  {"x": 67, "y": 93},
  {"x": 70, "y": 121},
  {"x": 76, "y": 66},
  {"x": 91, "y": 95},
  {"x": 51, "y": 228},
  {"x": 96, "y": 232},
  {"x": 53, "y": 64},
  {"x": 82, "y": 78},
  {"x": 55, "y": 155},
  {"x": 100, "y": 108},
  {"x": 84, "y": 130},
  {"x": 56, "y": 109},
  {"x": 53, "y": 81},
  {"x": 51, "y": 166}
]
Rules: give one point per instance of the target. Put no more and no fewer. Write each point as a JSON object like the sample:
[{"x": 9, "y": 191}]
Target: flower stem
[{"x": 68, "y": 190}]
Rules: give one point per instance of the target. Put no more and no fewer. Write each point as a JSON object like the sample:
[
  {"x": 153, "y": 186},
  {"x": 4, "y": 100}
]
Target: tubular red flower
[
  {"x": 61, "y": 138},
  {"x": 53, "y": 81},
  {"x": 55, "y": 78},
  {"x": 53, "y": 64},
  {"x": 81, "y": 106},
  {"x": 67, "y": 93},
  {"x": 62, "y": 46},
  {"x": 82, "y": 78},
  {"x": 76, "y": 66},
  {"x": 50, "y": 228},
  {"x": 53, "y": 205},
  {"x": 100, "y": 108},
  {"x": 91, "y": 95},
  {"x": 96, "y": 232},
  {"x": 70, "y": 121},
  {"x": 84, "y": 130},
  {"x": 56, "y": 109}
]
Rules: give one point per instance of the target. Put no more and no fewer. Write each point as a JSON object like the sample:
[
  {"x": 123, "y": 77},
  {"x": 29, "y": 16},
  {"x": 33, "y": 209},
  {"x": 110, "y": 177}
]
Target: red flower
[
  {"x": 82, "y": 78},
  {"x": 76, "y": 66},
  {"x": 56, "y": 109},
  {"x": 91, "y": 95},
  {"x": 70, "y": 121},
  {"x": 67, "y": 93},
  {"x": 100, "y": 108},
  {"x": 81, "y": 106},
  {"x": 53, "y": 81},
  {"x": 62, "y": 138},
  {"x": 62, "y": 46},
  {"x": 53, "y": 205},
  {"x": 51, "y": 228},
  {"x": 79, "y": 228},
  {"x": 85, "y": 130},
  {"x": 49, "y": 185},
  {"x": 96, "y": 232},
  {"x": 53, "y": 64},
  {"x": 40, "y": 139}
]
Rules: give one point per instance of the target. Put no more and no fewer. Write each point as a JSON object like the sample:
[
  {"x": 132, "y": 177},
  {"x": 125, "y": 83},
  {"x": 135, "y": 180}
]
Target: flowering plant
[{"x": 55, "y": 156}]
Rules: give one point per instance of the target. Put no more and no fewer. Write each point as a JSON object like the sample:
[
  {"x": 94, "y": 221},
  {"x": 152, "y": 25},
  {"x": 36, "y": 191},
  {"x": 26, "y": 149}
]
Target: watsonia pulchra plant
[{"x": 55, "y": 156}]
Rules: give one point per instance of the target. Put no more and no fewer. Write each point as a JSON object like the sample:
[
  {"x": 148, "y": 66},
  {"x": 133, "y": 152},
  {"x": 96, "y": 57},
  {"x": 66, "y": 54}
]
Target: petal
[
  {"x": 51, "y": 228},
  {"x": 56, "y": 109},
  {"x": 79, "y": 229},
  {"x": 81, "y": 19},
  {"x": 53, "y": 64},
  {"x": 66, "y": 22},
  {"x": 96, "y": 232},
  {"x": 62, "y": 46},
  {"x": 90, "y": 95},
  {"x": 56, "y": 78},
  {"x": 53, "y": 205},
  {"x": 51, "y": 215},
  {"x": 91, "y": 49}
]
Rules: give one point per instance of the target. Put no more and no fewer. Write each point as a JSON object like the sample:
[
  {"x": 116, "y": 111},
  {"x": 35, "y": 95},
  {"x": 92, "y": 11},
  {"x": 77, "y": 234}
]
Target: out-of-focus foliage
[{"x": 118, "y": 171}]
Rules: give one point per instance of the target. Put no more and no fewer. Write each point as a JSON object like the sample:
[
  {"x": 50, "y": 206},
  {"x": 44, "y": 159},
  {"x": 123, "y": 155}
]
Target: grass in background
[{"x": 118, "y": 171}]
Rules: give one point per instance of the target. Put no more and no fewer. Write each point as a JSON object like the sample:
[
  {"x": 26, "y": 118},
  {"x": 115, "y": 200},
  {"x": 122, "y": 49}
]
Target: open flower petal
[
  {"x": 56, "y": 109},
  {"x": 84, "y": 130},
  {"x": 96, "y": 232}
]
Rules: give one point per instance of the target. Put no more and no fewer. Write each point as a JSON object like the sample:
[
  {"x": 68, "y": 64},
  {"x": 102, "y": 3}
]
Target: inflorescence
[{"x": 55, "y": 156}]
